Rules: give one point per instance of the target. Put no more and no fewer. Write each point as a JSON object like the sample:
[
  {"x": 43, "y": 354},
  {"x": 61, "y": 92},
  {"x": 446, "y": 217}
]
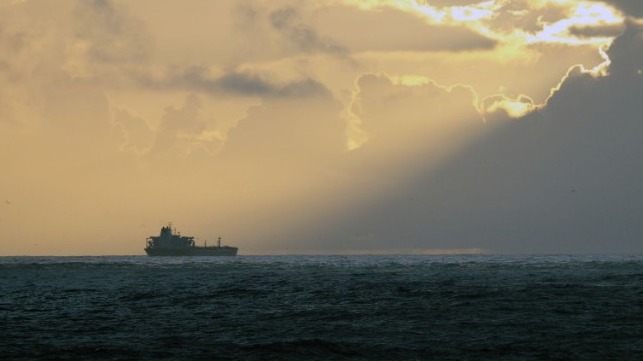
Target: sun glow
[
  {"x": 515, "y": 108},
  {"x": 433, "y": 14},
  {"x": 582, "y": 16},
  {"x": 478, "y": 12}
]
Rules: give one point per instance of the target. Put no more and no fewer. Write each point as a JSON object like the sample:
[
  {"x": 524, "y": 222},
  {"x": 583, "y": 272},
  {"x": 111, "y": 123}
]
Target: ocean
[{"x": 472, "y": 307}]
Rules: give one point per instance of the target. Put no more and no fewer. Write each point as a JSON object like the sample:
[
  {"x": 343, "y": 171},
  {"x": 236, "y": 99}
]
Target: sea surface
[{"x": 474, "y": 307}]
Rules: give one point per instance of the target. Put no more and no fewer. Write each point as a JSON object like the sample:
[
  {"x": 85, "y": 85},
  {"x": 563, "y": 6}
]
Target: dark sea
[{"x": 474, "y": 307}]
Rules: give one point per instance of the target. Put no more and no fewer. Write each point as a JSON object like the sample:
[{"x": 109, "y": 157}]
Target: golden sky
[{"x": 322, "y": 126}]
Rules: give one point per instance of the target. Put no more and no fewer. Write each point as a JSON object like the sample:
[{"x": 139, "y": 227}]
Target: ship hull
[{"x": 192, "y": 251}]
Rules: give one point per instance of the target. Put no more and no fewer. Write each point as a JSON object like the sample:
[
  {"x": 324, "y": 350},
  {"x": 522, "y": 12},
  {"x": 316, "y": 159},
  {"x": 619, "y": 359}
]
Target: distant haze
[{"x": 322, "y": 127}]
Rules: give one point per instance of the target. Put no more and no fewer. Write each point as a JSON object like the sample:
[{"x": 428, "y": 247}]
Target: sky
[{"x": 322, "y": 126}]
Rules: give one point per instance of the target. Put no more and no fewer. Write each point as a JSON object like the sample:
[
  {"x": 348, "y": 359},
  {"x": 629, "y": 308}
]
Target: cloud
[
  {"x": 237, "y": 83},
  {"x": 110, "y": 34},
  {"x": 289, "y": 132},
  {"x": 283, "y": 31},
  {"x": 394, "y": 114},
  {"x": 251, "y": 84},
  {"x": 626, "y": 55},
  {"x": 305, "y": 38},
  {"x": 392, "y": 30},
  {"x": 183, "y": 131},
  {"x": 13, "y": 42},
  {"x": 597, "y": 31},
  {"x": 241, "y": 110},
  {"x": 37, "y": 94},
  {"x": 137, "y": 135},
  {"x": 629, "y": 7},
  {"x": 509, "y": 23},
  {"x": 23, "y": 48},
  {"x": 445, "y": 3},
  {"x": 410, "y": 126},
  {"x": 340, "y": 31},
  {"x": 565, "y": 178}
]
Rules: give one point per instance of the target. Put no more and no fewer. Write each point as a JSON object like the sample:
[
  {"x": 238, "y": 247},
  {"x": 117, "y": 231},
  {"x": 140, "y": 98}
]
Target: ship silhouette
[{"x": 170, "y": 243}]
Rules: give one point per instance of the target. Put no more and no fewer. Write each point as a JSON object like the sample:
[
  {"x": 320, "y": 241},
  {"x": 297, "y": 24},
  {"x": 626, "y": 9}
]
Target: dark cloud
[
  {"x": 240, "y": 83},
  {"x": 626, "y": 55},
  {"x": 568, "y": 178},
  {"x": 252, "y": 84},
  {"x": 282, "y": 31},
  {"x": 630, "y": 7},
  {"x": 200, "y": 79},
  {"x": 594, "y": 31},
  {"x": 303, "y": 37},
  {"x": 255, "y": 85}
]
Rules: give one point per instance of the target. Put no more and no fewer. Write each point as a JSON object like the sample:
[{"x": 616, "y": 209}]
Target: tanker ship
[{"x": 170, "y": 243}]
